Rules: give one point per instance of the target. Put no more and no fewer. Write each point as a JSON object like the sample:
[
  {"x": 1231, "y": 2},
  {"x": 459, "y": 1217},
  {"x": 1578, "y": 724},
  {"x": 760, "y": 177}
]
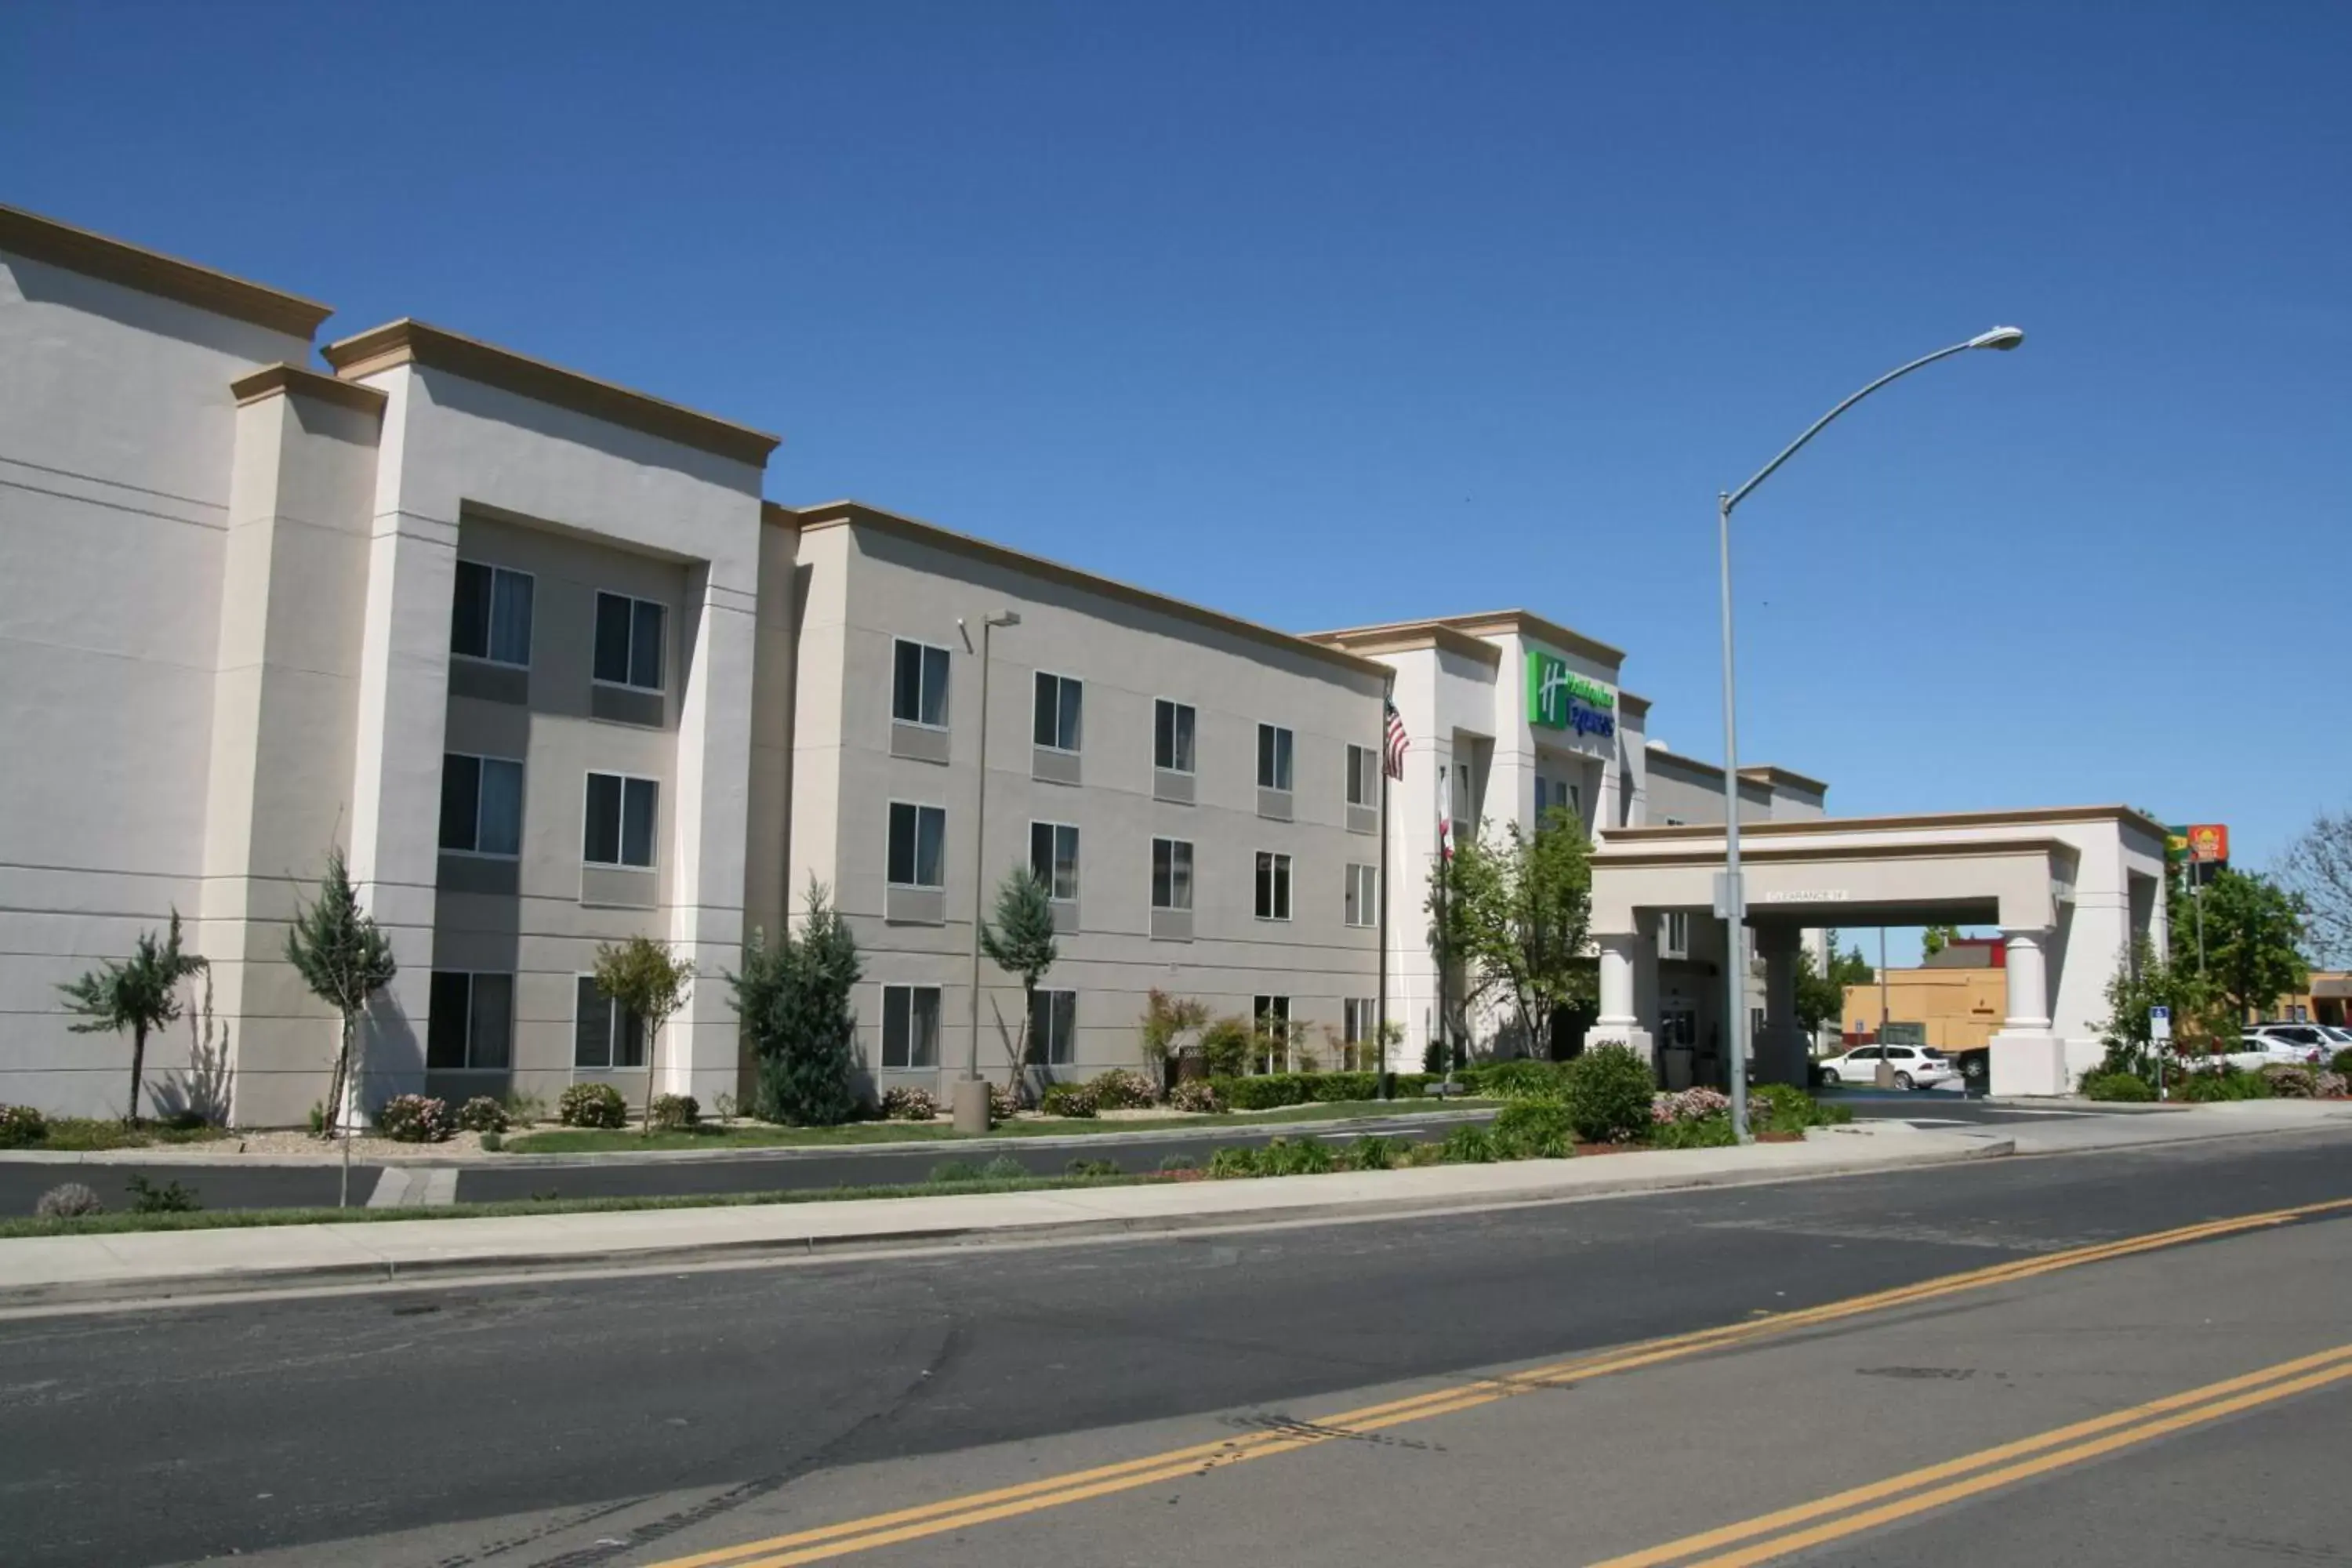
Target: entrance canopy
[{"x": 2069, "y": 889}]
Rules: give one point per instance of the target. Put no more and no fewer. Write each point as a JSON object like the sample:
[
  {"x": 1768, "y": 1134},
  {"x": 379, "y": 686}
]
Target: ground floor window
[
  {"x": 1272, "y": 1016},
  {"x": 605, "y": 1035},
  {"x": 472, "y": 1025},
  {"x": 1054, "y": 1029},
  {"x": 1360, "y": 1030},
  {"x": 910, "y": 1028}
]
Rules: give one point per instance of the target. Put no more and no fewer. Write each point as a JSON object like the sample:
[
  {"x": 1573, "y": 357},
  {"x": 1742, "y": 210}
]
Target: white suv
[
  {"x": 1915, "y": 1067},
  {"x": 2302, "y": 1044}
]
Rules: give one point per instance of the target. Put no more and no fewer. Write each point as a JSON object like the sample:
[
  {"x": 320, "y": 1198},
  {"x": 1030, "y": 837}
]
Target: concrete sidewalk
[
  {"x": 39, "y": 1270},
  {"x": 2178, "y": 1124}
]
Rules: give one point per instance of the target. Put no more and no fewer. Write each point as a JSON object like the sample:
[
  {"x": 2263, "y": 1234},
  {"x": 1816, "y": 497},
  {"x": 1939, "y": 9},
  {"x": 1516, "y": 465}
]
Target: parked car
[
  {"x": 2292, "y": 1045},
  {"x": 1915, "y": 1067}
]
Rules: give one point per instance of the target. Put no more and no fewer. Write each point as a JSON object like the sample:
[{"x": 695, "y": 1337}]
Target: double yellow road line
[{"x": 825, "y": 1543}]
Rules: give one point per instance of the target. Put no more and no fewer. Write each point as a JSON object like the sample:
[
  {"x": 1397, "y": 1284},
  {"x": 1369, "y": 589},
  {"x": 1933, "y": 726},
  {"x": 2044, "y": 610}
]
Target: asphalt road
[
  {"x": 634, "y": 1419},
  {"x": 222, "y": 1187}
]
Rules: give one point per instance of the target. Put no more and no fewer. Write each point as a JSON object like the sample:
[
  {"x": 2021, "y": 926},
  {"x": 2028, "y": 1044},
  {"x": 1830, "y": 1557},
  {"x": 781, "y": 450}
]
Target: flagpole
[
  {"x": 1446, "y": 942},
  {"x": 1380, "y": 1005}
]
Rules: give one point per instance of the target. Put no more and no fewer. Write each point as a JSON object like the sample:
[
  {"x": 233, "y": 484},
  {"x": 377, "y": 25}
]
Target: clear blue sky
[{"x": 1336, "y": 313}]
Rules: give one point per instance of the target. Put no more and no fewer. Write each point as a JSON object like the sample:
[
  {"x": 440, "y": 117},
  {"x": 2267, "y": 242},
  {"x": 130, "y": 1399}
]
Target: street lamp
[
  {"x": 1734, "y": 899},
  {"x": 969, "y": 1098}
]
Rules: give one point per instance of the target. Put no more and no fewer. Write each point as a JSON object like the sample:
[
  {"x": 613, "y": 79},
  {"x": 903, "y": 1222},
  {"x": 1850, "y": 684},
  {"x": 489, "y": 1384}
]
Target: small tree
[
  {"x": 793, "y": 998},
  {"x": 643, "y": 976},
  {"x": 1518, "y": 914},
  {"x": 345, "y": 959},
  {"x": 140, "y": 994},
  {"x": 1936, "y": 939},
  {"x": 1165, "y": 1020},
  {"x": 2144, "y": 980},
  {"x": 1022, "y": 943},
  {"x": 2254, "y": 930}
]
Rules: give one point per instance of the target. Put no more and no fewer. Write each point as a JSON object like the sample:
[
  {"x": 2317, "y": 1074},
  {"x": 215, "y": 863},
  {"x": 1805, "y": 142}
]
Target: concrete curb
[
  {"x": 230, "y": 1281},
  {"x": 195, "y": 1158}
]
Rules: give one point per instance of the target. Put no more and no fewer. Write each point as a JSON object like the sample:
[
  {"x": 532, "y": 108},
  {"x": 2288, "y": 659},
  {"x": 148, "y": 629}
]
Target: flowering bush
[
  {"x": 69, "y": 1200},
  {"x": 1195, "y": 1094},
  {"x": 1067, "y": 1100},
  {"x": 675, "y": 1112},
  {"x": 415, "y": 1118},
  {"x": 1001, "y": 1103},
  {"x": 2292, "y": 1083},
  {"x": 22, "y": 1126},
  {"x": 483, "y": 1114},
  {"x": 591, "y": 1105},
  {"x": 906, "y": 1103},
  {"x": 1120, "y": 1089},
  {"x": 2329, "y": 1085},
  {"x": 1687, "y": 1105}
]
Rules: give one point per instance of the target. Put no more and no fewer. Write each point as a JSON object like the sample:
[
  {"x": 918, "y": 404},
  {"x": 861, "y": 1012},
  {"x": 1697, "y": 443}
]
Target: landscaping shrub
[
  {"x": 1001, "y": 1105},
  {"x": 2330, "y": 1084},
  {"x": 1263, "y": 1091},
  {"x": 1607, "y": 1091},
  {"x": 483, "y": 1114},
  {"x": 591, "y": 1105},
  {"x": 1374, "y": 1152},
  {"x": 1294, "y": 1157},
  {"x": 2340, "y": 1064},
  {"x": 493, "y": 1141},
  {"x": 1197, "y": 1094},
  {"x": 2203, "y": 1086},
  {"x": 1468, "y": 1145},
  {"x": 903, "y": 1102},
  {"x": 68, "y": 1200},
  {"x": 1329, "y": 1088},
  {"x": 1423, "y": 1155},
  {"x": 1785, "y": 1107},
  {"x": 1689, "y": 1105},
  {"x": 22, "y": 1126},
  {"x": 675, "y": 1112},
  {"x": 1084, "y": 1167},
  {"x": 954, "y": 1170},
  {"x": 1120, "y": 1089},
  {"x": 1701, "y": 1133},
  {"x": 1004, "y": 1168},
  {"x": 1534, "y": 1130},
  {"x": 1225, "y": 1047},
  {"x": 1522, "y": 1079},
  {"x": 2117, "y": 1086},
  {"x": 1227, "y": 1163},
  {"x": 2291, "y": 1082},
  {"x": 1067, "y": 1100},
  {"x": 170, "y": 1198},
  {"x": 415, "y": 1118}
]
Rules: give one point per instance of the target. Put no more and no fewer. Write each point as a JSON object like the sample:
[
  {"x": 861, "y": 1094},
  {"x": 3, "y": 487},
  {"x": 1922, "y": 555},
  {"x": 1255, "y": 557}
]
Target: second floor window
[
  {"x": 1054, "y": 858},
  {"x": 1273, "y": 886},
  {"x": 481, "y": 804},
  {"x": 1273, "y": 757},
  {"x": 621, "y": 816},
  {"x": 919, "y": 684},
  {"x": 918, "y": 837},
  {"x": 1059, "y": 698},
  {"x": 1363, "y": 905},
  {"x": 1363, "y": 776},
  {"x": 1172, "y": 874},
  {"x": 491, "y": 617},
  {"x": 1675, "y": 942},
  {"x": 629, "y": 641},
  {"x": 1171, "y": 738}
]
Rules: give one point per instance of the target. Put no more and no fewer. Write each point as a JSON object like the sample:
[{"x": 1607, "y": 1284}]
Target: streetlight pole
[
  {"x": 969, "y": 1101},
  {"x": 1735, "y": 900}
]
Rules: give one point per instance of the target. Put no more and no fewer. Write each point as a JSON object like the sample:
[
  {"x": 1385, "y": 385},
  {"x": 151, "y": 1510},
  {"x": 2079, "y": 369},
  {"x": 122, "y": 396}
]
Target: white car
[
  {"x": 1915, "y": 1067},
  {"x": 2291, "y": 1044}
]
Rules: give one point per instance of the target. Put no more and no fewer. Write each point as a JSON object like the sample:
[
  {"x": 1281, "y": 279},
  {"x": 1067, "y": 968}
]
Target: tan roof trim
[
  {"x": 152, "y": 272},
  {"x": 842, "y": 513},
  {"x": 1524, "y": 622},
  {"x": 1444, "y": 639},
  {"x": 1607, "y": 853},
  {"x": 407, "y": 342},
  {"x": 1772, "y": 773},
  {"x": 1917, "y": 820},
  {"x": 273, "y": 379},
  {"x": 1627, "y": 702},
  {"x": 1713, "y": 770}
]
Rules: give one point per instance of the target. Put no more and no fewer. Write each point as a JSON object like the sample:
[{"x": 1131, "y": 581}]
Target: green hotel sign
[{"x": 1559, "y": 698}]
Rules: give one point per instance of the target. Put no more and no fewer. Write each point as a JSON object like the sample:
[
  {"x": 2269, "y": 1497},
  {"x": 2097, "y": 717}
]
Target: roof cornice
[
  {"x": 273, "y": 380},
  {"x": 152, "y": 272},
  {"x": 407, "y": 342}
]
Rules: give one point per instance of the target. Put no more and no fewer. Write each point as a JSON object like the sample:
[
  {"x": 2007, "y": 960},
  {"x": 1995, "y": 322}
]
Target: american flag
[
  {"x": 1445, "y": 812},
  {"x": 1398, "y": 745}
]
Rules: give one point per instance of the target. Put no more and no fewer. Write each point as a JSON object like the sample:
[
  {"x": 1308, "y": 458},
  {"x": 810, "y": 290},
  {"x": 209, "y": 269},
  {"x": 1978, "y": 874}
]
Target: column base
[
  {"x": 1780, "y": 1056},
  {"x": 2028, "y": 1062},
  {"x": 1640, "y": 1041},
  {"x": 968, "y": 1098}
]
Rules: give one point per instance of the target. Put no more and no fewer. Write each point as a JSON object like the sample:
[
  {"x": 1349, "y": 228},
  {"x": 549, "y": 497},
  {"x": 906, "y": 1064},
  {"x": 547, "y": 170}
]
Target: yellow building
[{"x": 1960, "y": 1003}]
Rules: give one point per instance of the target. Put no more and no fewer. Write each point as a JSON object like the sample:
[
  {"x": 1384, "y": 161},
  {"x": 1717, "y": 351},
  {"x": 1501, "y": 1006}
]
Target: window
[
  {"x": 1363, "y": 895},
  {"x": 1273, "y": 886},
  {"x": 1054, "y": 1029},
  {"x": 629, "y": 641},
  {"x": 1171, "y": 736},
  {"x": 491, "y": 617},
  {"x": 472, "y": 1025},
  {"x": 910, "y": 1026},
  {"x": 1363, "y": 776},
  {"x": 1059, "y": 698},
  {"x": 1172, "y": 874},
  {"x": 1675, "y": 942},
  {"x": 1270, "y": 1011},
  {"x": 1273, "y": 757},
  {"x": 1054, "y": 858},
  {"x": 919, "y": 684},
  {"x": 621, "y": 816},
  {"x": 605, "y": 1035},
  {"x": 1272, "y": 1016},
  {"x": 481, "y": 804},
  {"x": 918, "y": 835},
  {"x": 1359, "y": 1020}
]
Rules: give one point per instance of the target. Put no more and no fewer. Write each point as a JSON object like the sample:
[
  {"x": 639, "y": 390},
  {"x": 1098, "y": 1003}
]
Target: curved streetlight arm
[{"x": 1735, "y": 497}]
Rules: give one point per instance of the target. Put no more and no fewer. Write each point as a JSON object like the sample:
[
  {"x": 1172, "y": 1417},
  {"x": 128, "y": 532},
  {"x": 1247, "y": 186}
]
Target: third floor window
[
  {"x": 629, "y": 641},
  {"x": 1059, "y": 698},
  {"x": 1172, "y": 741},
  {"x": 1273, "y": 757},
  {"x": 919, "y": 684}
]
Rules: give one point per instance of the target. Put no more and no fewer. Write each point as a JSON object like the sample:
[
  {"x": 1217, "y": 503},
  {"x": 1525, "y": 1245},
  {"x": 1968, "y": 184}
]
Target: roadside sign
[
  {"x": 2208, "y": 843},
  {"x": 2159, "y": 1023}
]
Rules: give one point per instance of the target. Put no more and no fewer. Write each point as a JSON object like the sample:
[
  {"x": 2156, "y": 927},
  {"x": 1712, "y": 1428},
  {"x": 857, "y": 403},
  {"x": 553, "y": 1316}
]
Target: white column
[
  {"x": 1781, "y": 1048},
  {"x": 2028, "y": 1058},
  {"x": 1619, "y": 1023}
]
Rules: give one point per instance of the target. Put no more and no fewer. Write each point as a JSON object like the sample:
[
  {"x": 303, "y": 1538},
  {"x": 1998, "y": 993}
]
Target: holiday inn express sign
[{"x": 1559, "y": 698}]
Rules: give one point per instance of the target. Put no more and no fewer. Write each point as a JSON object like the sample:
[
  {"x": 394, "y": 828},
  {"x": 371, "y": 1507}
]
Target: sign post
[{"x": 2160, "y": 1034}]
